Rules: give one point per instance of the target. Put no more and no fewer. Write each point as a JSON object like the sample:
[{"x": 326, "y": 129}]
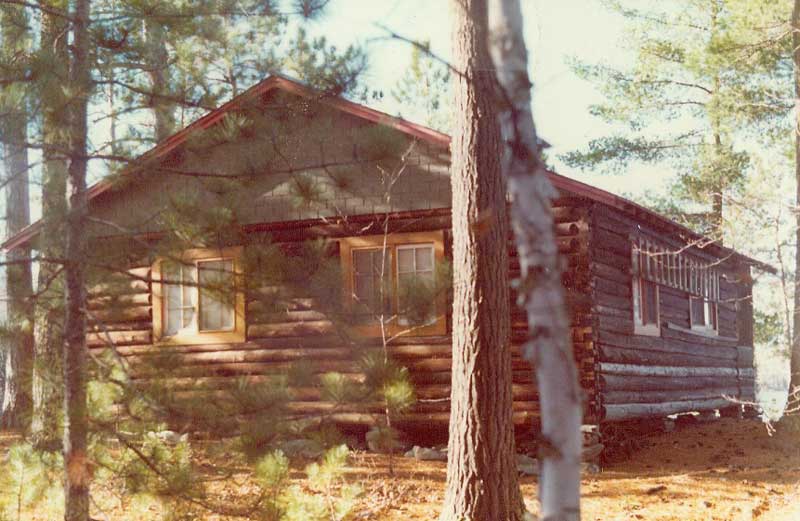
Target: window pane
[
  {"x": 650, "y": 298},
  {"x": 424, "y": 258},
  {"x": 189, "y": 287},
  {"x": 405, "y": 260},
  {"x": 416, "y": 285},
  {"x": 372, "y": 295},
  {"x": 173, "y": 298},
  {"x": 711, "y": 314},
  {"x": 698, "y": 312},
  {"x": 362, "y": 261},
  {"x": 380, "y": 263},
  {"x": 216, "y": 295},
  {"x": 363, "y": 287}
]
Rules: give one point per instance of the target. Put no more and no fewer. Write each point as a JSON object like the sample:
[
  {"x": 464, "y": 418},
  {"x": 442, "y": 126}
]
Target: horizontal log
[
  {"x": 653, "y": 370},
  {"x": 139, "y": 325},
  {"x": 613, "y": 241},
  {"x": 616, "y": 382},
  {"x": 618, "y": 412},
  {"x": 609, "y": 272},
  {"x": 121, "y": 301},
  {"x": 128, "y": 313},
  {"x": 670, "y": 345},
  {"x": 616, "y": 289},
  {"x": 692, "y": 336},
  {"x": 118, "y": 338},
  {"x": 310, "y": 328},
  {"x": 259, "y": 355},
  {"x": 266, "y": 318},
  {"x": 268, "y": 304},
  {"x": 622, "y": 397},
  {"x": 622, "y": 355}
]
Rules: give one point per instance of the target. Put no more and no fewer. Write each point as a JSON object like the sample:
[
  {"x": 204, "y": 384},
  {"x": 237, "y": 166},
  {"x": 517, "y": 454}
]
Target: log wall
[
  {"x": 275, "y": 341},
  {"x": 680, "y": 370},
  {"x": 624, "y": 376}
]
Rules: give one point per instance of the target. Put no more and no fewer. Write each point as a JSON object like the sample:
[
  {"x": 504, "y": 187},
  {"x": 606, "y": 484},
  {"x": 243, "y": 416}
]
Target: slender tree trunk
[
  {"x": 15, "y": 397},
  {"x": 49, "y": 307},
  {"x": 795, "y": 355},
  {"x": 481, "y": 468},
  {"x": 77, "y": 475},
  {"x": 549, "y": 348},
  {"x": 157, "y": 68}
]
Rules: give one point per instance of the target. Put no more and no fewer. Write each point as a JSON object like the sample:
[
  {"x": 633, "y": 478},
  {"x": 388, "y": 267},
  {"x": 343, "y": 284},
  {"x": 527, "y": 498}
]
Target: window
[
  {"x": 393, "y": 279},
  {"x": 414, "y": 274},
  {"x": 654, "y": 266},
  {"x": 703, "y": 314},
  {"x": 644, "y": 290},
  {"x": 645, "y": 304},
  {"x": 195, "y": 298},
  {"x": 372, "y": 288}
]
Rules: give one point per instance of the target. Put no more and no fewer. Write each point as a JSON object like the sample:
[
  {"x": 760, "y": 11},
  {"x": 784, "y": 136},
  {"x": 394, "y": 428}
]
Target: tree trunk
[
  {"x": 157, "y": 68},
  {"x": 549, "y": 348},
  {"x": 15, "y": 397},
  {"x": 49, "y": 308},
  {"x": 481, "y": 469},
  {"x": 795, "y": 354},
  {"x": 76, "y": 464}
]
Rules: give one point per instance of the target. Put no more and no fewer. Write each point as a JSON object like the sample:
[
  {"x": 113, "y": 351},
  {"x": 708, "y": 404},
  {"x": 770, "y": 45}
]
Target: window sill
[
  {"x": 217, "y": 337},
  {"x": 648, "y": 330}
]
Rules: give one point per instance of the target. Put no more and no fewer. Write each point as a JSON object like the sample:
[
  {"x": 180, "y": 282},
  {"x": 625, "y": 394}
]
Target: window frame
[
  {"x": 195, "y": 336},
  {"x": 347, "y": 245},
  {"x": 637, "y": 297},
  {"x": 709, "y": 326},
  {"x": 639, "y": 327}
]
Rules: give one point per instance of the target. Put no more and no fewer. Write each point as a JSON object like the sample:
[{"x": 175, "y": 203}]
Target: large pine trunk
[
  {"x": 15, "y": 397},
  {"x": 157, "y": 69},
  {"x": 481, "y": 468},
  {"x": 795, "y": 355},
  {"x": 76, "y": 424},
  {"x": 549, "y": 349},
  {"x": 49, "y": 308}
]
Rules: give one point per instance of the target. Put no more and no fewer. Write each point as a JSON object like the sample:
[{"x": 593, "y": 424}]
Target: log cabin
[{"x": 661, "y": 317}]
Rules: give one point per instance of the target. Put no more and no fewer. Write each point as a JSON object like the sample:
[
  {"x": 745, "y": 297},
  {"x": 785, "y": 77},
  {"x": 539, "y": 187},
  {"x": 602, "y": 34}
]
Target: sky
[{"x": 555, "y": 31}]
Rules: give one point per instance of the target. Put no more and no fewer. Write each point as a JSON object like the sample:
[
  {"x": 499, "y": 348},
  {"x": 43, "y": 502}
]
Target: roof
[{"x": 428, "y": 135}]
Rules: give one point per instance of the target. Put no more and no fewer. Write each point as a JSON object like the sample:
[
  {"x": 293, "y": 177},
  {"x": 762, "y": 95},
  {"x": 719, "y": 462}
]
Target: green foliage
[
  {"x": 30, "y": 479},
  {"x": 425, "y": 90},
  {"x": 707, "y": 80},
  {"x": 329, "y": 498},
  {"x": 768, "y": 328}
]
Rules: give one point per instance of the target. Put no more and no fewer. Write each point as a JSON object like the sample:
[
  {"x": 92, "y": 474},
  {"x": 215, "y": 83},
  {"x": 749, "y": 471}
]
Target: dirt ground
[{"x": 723, "y": 470}]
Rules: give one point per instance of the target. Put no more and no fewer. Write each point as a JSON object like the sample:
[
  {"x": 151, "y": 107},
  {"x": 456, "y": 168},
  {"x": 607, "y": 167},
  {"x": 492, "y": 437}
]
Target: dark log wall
[
  {"x": 624, "y": 375},
  {"x": 303, "y": 332},
  {"x": 680, "y": 370}
]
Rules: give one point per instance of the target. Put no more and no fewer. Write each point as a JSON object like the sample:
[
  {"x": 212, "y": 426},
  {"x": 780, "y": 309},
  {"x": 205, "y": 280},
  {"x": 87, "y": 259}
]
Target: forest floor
[{"x": 722, "y": 470}]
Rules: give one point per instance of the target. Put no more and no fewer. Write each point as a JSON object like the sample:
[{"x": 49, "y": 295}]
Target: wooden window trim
[
  {"x": 237, "y": 334},
  {"x": 346, "y": 247}
]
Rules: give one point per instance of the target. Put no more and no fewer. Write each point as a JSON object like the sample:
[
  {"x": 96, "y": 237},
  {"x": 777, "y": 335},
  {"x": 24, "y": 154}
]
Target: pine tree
[
  {"x": 17, "y": 365},
  {"x": 697, "y": 76},
  {"x": 77, "y": 474},
  {"x": 481, "y": 467},
  {"x": 424, "y": 91},
  {"x": 52, "y": 63}
]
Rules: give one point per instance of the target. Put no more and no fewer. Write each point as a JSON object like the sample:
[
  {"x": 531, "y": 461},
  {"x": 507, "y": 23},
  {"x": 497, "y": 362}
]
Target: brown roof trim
[{"x": 423, "y": 133}]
